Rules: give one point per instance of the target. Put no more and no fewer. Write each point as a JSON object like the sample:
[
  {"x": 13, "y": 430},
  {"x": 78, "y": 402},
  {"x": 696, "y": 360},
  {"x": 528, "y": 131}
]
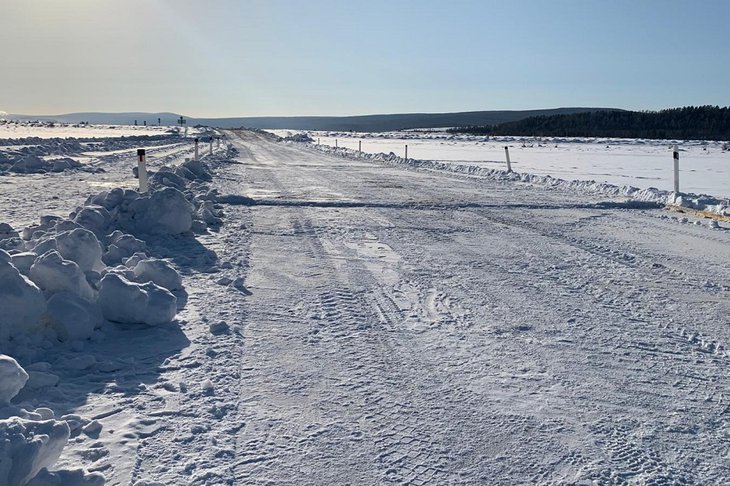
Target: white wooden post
[
  {"x": 406, "y": 152},
  {"x": 196, "y": 148},
  {"x": 509, "y": 164},
  {"x": 359, "y": 145},
  {"x": 676, "y": 169},
  {"x": 142, "y": 171}
]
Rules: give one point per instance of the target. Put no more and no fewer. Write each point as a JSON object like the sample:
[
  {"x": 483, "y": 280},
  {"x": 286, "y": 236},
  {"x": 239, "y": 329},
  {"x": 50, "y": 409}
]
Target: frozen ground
[
  {"x": 704, "y": 166},
  {"x": 25, "y": 129},
  {"x": 373, "y": 323}
]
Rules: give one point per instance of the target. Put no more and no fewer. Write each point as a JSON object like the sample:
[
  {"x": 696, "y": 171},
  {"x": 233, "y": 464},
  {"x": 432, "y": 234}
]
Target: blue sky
[{"x": 339, "y": 57}]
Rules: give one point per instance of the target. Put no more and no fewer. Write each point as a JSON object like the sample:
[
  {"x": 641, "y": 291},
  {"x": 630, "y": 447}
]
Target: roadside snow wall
[
  {"x": 64, "y": 278},
  {"x": 693, "y": 201}
]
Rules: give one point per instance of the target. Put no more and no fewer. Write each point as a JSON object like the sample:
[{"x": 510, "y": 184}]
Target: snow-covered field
[
  {"x": 704, "y": 166},
  {"x": 287, "y": 314},
  {"x": 15, "y": 129}
]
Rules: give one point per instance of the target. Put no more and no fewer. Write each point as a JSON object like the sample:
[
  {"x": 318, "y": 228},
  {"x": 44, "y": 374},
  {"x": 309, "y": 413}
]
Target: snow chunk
[
  {"x": 30, "y": 164},
  {"x": 158, "y": 271},
  {"x": 92, "y": 429},
  {"x": 12, "y": 378},
  {"x": 198, "y": 169},
  {"x": 80, "y": 246},
  {"x": 128, "y": 302},
  {"x": 94, "y": 218},
  {"x": 121, "y": 246},
  {"x": 28, "y": 446},
  {"x": 59, "y": 165},
  {"x": 165, "y": 212},
  {"x": 7, "y": 231},
  {"x": 22, "y": 303},
  {"x": 72, "y": 317},
  {"x": 54, "y": 274},
  {"x": 209, "y": 214},
  {"x": 23, "y": 261}
]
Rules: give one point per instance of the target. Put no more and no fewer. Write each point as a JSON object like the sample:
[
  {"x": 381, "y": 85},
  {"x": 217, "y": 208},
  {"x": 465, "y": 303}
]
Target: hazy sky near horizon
[{"x": 223, "y": 58}]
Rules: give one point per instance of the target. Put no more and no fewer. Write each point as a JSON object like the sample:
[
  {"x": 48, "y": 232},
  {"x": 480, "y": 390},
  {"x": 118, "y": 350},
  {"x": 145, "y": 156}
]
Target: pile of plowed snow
[
  {"x": 63, "y": 280},
  {"x": 33, "y": 155},
  {"x": 694, "y": 201}
]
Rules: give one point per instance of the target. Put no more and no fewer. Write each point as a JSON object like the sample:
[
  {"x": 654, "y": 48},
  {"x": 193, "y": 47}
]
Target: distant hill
[
  {"x": 691, "y": 122},
  {"x": 361, "y": 123}
]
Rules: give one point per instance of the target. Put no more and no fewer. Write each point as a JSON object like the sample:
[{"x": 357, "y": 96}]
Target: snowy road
[
  {"x": 425, "y": 328},
  {"x": 392, "y": 325}
]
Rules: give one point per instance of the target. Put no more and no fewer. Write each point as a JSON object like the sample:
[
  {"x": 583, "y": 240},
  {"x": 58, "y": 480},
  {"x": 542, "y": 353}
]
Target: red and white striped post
[{"x": 142, "y": 171}]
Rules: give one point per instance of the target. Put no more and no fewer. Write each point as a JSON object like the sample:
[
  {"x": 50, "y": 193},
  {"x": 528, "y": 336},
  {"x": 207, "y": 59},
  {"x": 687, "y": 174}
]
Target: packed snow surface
[{"x": 343, "y": 318}]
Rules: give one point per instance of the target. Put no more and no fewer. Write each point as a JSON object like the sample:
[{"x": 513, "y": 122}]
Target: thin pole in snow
[
  {"x": 509, "y": 164},
  {"x": 359, "y": 145},
  {"x": 676, "y": 169},
  {"x": 211, "y": 145},
  {"x": 142, "y": 171},
  {"x": 406, "y": 152},
  {"x": 335, "y": 143},
  {"x": 196, "y": 148}
]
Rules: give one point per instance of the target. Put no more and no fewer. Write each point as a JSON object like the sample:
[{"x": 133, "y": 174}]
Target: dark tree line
[{"x": 688, "y": 123}]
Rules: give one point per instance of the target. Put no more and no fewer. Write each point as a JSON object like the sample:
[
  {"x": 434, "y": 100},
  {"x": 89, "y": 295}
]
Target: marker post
[
  {"x": 197, "y": 155},
  {"x": 142, "y": 171},
  {"x": 676, "y": 169},
  {"x": 211, "y": 145},
  {"x": 406, "y": 152},
  {"x": 509, "y": 164}
]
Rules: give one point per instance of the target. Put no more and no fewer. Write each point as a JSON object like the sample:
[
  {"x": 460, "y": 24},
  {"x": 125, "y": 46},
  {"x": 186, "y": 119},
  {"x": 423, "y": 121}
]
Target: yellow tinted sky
[{"x": 335, "y": 57}]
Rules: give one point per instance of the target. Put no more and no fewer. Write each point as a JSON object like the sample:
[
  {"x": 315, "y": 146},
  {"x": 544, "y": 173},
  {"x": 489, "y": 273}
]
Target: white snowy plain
[
  {"x": 371, "y": 321},
  {"x": 704, "y": 166}
]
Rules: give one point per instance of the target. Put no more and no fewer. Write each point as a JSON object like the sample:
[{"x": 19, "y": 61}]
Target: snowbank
[
  {"x": 27, "y": 446},
  {"x": 31, "y": 441},
  {"x": 63, "y": 280},
  {"x": 694, "y": 201}
]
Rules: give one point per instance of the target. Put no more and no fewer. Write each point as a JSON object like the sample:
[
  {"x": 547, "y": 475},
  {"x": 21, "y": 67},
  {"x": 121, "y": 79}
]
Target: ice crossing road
[{"x": 413, "y": 327}]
